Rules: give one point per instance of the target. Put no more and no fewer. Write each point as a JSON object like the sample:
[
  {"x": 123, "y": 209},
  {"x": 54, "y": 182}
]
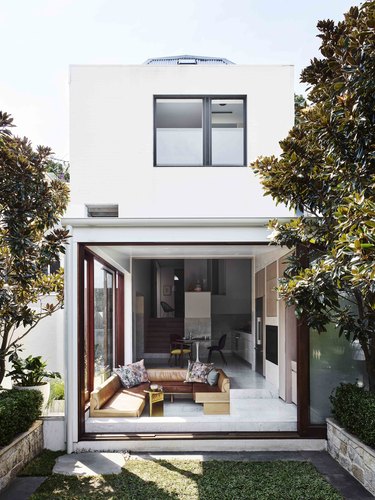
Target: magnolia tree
[
  {"x": 30, "y": 239},
  {"x": 327, "y": 172}
]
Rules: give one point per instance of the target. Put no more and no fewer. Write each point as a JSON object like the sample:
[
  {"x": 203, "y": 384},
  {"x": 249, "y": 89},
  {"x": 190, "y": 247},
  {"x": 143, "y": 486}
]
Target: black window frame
[{"x": 206, "y": 128}]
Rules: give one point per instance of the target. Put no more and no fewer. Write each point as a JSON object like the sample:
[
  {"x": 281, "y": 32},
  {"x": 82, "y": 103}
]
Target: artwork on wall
[{"x": 167, "y": 290}]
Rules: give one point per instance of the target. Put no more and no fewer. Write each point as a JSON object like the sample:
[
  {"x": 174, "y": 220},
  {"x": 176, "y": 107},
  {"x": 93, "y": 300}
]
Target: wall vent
[{"x": 102, "y": 210}]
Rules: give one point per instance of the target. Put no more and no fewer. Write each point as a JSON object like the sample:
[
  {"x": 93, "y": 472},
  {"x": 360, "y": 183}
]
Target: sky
[{"x": 41, "y": 38}]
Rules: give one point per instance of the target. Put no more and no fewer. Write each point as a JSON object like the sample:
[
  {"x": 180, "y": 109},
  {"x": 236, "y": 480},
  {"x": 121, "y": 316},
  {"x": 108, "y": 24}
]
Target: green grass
[
  {"x": 42, "y": 465},
  {"x": 194, "y": 480}
]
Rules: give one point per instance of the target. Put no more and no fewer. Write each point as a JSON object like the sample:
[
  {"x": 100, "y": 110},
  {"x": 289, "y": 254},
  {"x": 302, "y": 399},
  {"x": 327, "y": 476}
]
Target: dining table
[{"x": 195, "y": 341}]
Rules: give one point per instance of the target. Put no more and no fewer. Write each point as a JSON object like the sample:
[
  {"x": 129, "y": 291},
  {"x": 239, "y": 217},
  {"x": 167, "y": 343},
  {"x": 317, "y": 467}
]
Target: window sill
[{"x": 200, "y": 166}]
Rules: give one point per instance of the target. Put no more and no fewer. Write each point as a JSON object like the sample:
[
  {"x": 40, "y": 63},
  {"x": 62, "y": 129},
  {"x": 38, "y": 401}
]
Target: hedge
[
  {"x": 18, "y": 410},
  {"x": 354, "y": 409}
]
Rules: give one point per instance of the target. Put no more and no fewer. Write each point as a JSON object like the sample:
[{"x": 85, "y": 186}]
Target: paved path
[{"x": 88, "y": 463}]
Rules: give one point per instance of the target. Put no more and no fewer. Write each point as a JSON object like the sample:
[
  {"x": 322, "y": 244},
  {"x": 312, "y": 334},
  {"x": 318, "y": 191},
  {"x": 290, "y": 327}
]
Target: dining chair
[
  {"x": 218, "y": 348},
  {"x": 177, "y": 349}
]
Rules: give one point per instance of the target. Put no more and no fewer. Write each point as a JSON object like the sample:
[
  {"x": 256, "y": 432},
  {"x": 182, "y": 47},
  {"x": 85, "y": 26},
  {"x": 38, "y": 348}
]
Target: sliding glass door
[{"x": 103, "y": 322}]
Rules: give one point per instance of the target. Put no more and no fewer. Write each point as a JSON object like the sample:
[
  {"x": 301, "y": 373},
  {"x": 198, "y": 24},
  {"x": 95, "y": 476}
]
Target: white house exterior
[{"x": 130, "y": 129}]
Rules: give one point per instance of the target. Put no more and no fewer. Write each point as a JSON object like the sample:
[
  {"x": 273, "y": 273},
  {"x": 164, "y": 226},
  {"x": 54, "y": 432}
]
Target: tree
[
  {"x": 30, "y": 239},
  {"x": 326, "y": 171}
]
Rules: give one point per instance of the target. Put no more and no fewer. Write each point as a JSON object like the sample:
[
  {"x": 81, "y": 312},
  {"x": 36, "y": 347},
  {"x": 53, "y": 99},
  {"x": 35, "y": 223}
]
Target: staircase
[{"x": 158, "y": 331}]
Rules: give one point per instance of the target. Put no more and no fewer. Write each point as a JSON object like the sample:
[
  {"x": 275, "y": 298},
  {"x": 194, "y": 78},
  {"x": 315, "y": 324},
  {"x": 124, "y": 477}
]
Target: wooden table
[{"x": 156, "y": 402}]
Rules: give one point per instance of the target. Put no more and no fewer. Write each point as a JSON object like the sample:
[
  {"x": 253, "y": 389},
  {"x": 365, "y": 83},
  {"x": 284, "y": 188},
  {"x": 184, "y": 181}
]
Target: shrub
[
  {"x": 18, "y": 410},
  {"x": 354, "y": 408},
  {"x": 57, "y": 392}
]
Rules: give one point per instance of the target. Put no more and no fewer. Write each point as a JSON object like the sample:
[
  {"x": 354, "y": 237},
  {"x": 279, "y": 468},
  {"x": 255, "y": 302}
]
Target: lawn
[{"x": 191, "y": 479}]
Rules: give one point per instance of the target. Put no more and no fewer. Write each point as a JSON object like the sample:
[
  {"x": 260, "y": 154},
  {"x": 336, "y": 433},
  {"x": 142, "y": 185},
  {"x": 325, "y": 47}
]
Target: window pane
[
  {"x": 103, "y": 324},
  {"x": 179, "y": 132},
  {"x": 227, "y": 122},
  {"x": 332, "y": 360}
]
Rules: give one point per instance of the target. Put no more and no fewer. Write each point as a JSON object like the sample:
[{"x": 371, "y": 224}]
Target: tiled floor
[{"x": 254, "y": 406}]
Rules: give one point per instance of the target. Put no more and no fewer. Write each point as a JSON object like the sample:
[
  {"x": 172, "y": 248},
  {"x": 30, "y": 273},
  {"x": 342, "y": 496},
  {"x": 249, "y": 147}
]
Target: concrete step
[{"x": 254, "y": 393}]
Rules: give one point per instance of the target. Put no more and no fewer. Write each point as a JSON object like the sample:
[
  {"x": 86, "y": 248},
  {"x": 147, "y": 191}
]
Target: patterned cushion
[
  {"x": 128, "y": 376},
  {"x": 197, "y": 372},
  {"x": 139, "y": 367}
]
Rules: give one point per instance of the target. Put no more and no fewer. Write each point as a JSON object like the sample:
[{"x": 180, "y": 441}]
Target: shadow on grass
[{"x": 195, "y": 480}]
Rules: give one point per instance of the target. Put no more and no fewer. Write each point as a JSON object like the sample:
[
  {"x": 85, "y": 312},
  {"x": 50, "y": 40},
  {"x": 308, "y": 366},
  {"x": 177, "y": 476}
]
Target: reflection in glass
[
  {"x": 332, "y": 360},
  {"x": 179, "y": 132},
  {"x": 103, "y": 323},
  {"x": 227, "y": 122}
]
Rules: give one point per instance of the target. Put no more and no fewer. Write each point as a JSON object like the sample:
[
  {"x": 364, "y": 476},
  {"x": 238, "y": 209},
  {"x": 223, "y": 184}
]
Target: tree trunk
[
  {"x": 3, "y": 350},
  {"x": 2, "y": 369},
  {"x": 370, "y": 365}
]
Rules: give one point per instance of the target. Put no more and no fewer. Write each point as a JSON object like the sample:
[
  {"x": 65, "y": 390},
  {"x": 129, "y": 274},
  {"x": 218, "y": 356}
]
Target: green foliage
[
  {"x": 59, "y": 168},
  {"x": 354, "y": 409},
  {"x": 57, "y": 392},
  {"x": 193, "y": 480},
  {"x": 30, "y": 371},
  {"x": 327, "y": 172},
  {"x": 18, "y": 410},
  {"x": 300, "y": 104},
  {"x": 31, "y": 206},
  {"x": 42, "y": 465}
]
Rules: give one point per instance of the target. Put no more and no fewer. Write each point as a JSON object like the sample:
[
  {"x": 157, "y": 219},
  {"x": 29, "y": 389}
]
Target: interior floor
[{"x": 254, "y": 407}]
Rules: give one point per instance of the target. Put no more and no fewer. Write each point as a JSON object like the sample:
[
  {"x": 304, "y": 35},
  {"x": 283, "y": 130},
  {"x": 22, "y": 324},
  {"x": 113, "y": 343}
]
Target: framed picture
[{"x": 167, "y": 290}]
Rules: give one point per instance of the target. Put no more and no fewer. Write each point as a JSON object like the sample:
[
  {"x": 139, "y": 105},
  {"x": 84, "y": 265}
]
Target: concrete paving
[
  {"x": 22, "y": 488},
  {"x": 89, "y": 464}
]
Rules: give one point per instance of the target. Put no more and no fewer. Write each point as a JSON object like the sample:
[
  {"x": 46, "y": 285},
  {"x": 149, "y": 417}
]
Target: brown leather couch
[{"x": 112, "y": 400}]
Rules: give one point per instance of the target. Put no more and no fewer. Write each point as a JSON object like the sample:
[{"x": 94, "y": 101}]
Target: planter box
[
  {"x": 357, "y": 458},
  {"x": 19, "y": 452}
]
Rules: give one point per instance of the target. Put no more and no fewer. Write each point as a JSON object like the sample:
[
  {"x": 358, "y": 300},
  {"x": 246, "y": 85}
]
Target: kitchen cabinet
[{"x": 242, "y": 345}]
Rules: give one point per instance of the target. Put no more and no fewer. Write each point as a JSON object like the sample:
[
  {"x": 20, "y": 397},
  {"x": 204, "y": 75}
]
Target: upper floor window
[{"x": 200, "y": 131}]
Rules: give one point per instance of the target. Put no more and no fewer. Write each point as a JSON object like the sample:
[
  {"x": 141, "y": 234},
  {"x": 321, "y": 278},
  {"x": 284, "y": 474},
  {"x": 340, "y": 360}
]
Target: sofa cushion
[
  {"x": 198, "y": 387},
  {"x": 177, "y": 387},
  {"x": 197, "y": 371},
  {"x": 213, "y": 377},
  {"x": 125, "y": 402},
  {"x": 166, "y": 374}
]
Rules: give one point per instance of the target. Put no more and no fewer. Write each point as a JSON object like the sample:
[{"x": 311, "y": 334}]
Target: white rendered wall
[
  {"x": 111, "y": 139},
  {"x": 46, "y": 340}
]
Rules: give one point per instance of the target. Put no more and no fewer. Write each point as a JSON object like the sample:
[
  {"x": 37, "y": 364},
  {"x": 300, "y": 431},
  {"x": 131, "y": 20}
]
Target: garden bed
[
  {"x": 357, "y": 458},
  {"x": 19, "y": 452}
]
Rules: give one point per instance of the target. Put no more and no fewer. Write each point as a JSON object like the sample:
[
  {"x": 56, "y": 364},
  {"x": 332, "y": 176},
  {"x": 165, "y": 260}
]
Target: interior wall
[
  {"x": 233, "y": 310},
  {"x": 195, "y": 270},
  {"x": 276, "y": 314},
  {"x": 141, "y": 309},
  {"x": 166, "y": 287}
]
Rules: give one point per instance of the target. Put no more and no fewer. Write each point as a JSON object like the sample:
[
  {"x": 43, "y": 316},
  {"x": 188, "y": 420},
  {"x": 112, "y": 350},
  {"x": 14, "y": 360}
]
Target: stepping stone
[{"x": 89, "y": 464}]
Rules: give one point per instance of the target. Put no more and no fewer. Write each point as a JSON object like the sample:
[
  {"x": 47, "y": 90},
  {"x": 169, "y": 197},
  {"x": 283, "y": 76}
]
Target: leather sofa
[{"x": 110, "y": 399}]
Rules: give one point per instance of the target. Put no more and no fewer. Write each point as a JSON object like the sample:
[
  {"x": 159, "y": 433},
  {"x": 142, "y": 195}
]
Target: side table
[{"x": 156, "y": 401}]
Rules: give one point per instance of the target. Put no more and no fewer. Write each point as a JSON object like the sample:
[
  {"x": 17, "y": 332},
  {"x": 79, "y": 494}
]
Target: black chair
[
  {"x": 166, "y": 307},
  {"x": 218, "y": 348}
]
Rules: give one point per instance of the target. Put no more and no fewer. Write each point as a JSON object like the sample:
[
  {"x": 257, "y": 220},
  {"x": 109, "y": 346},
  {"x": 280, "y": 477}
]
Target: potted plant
[
  {"x": 31, "y": 373},
  {"x": 56, "y": 401}
]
